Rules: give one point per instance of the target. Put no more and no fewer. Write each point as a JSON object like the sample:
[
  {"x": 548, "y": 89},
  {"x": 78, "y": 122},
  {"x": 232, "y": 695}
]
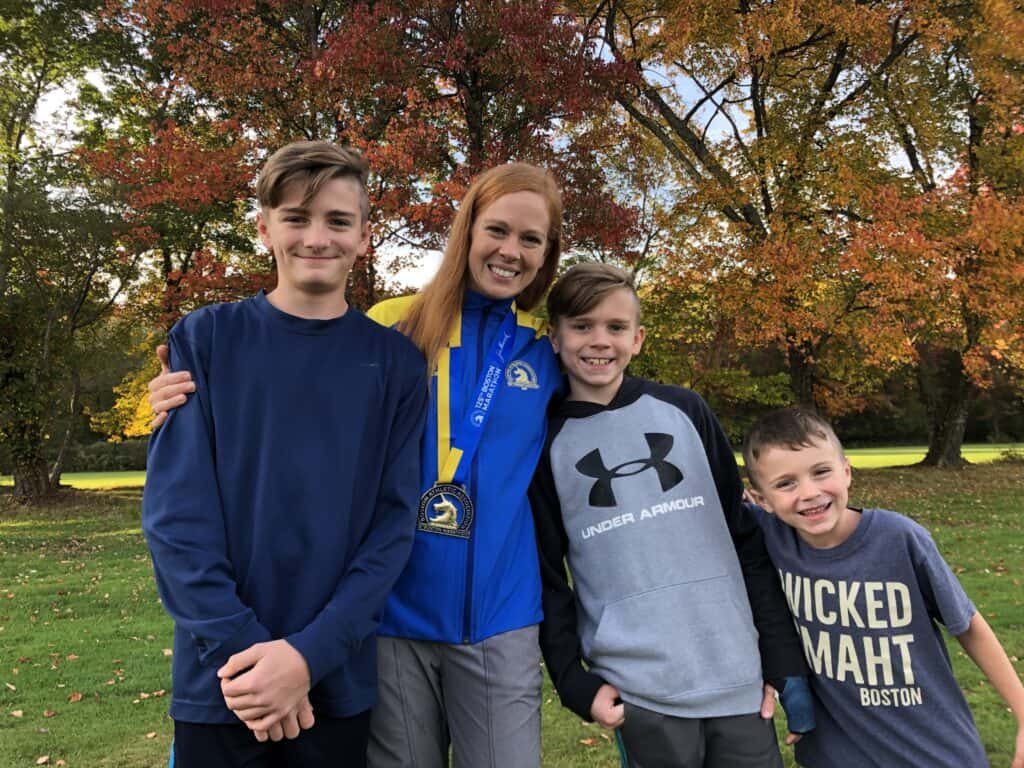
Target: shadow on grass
[{"x": 72, "y": 503}]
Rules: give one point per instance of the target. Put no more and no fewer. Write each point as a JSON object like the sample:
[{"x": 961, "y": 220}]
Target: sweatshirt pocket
[{"x": 677, "y": 640}]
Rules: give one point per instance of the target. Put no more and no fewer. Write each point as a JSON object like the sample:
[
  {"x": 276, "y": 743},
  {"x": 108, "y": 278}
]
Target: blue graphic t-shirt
[{"x": 868, "y": 612}]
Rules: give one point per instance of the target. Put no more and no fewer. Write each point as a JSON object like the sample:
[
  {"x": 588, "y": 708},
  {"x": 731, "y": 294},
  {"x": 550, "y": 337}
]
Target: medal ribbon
[{"x": 461, "y": 450}]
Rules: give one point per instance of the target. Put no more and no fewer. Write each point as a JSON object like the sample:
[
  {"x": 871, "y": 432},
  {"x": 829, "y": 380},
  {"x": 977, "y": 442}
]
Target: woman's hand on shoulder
[{"x": 168, "y": 390}]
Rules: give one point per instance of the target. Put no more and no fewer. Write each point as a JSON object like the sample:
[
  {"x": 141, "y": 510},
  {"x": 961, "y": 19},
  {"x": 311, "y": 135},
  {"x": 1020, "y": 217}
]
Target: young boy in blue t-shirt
[
  {"x": 674, "y": 620},
  {"x": 867, "y": 589}
]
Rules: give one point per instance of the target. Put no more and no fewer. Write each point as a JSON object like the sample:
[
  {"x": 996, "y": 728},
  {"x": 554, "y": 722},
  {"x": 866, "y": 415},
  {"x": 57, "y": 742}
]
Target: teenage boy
[
  {"x": 677, "y": 612},
  {"x": 866, "y": 588},
  {"x": 280, "y": 503}
]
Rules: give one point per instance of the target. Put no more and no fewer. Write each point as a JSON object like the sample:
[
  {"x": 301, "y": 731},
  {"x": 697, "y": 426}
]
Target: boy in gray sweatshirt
[{"x": 675, "y": 619}]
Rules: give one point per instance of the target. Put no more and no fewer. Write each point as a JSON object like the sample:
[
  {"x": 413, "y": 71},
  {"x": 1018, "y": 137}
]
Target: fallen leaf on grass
[
  {"x": 61, "y": 763},
  {"x": 158, "y": 694},
  {"x": 588, "y": 742},
  {"x": 11, "y": 687},
  {"x": 18, "y": 713},
  {"x": 49, "y": 713},
  {"x": 42, "y": 760},
  {"x": 71, "y": 657},
  {"x": 151, "y": 735},
  {"x": 168, "y": 652},
  {"x": 75, "y": 697}
]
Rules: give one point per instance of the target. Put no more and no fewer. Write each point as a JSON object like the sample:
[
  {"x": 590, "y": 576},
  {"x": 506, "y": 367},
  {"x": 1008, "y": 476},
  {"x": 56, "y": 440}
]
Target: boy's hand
[
  {"x": 608, "y": 710},
  {"x": 292, "y": 725},
  {"x": 768, "y": 711},
  {"x": 168, "y": 390},
  {"x": 768, "y": 702},
  {"x": 798, "y": 704},
  {"x": 272, "y": 681}
]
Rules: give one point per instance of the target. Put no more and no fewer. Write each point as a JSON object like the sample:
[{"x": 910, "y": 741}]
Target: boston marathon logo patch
[{"x": 520, "y": 374}]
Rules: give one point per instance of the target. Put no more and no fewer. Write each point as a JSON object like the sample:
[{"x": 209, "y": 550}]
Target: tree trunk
[
  {"x": 73, "y": 413},
  {"x": 31, "y": 480},
  {"x": 801, "y": 376},
  {"x": 946, "y": 392}
]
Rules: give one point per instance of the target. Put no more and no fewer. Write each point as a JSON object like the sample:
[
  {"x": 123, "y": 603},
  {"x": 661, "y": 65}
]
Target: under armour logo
[{"x": 592, "y": 465}]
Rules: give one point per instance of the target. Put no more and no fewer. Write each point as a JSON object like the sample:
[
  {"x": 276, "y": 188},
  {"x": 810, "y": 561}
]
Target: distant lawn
[
  {"x": 976, "y": 453},
  {"x": 95, "y": 480},
  {"x": 85, "y": 646},
  {"x": 861, "y": 458}
]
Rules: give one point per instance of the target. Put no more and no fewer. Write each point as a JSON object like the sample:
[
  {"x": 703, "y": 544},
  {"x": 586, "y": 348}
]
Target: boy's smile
[
  {"x": 596, "y": 347},
  {"x": 808, "y": 488},
  {"x": 314, "y": 243}
]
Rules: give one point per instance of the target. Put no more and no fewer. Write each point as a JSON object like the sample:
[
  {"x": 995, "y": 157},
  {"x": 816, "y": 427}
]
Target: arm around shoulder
[{"x": 183, "y": 524}]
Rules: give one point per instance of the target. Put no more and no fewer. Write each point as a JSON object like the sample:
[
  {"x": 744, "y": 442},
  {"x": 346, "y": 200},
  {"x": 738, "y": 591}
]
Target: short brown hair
[
  {"x": 312, "y": 164},
  {"x": 793, "y": 428},
  {"x": 585, "y": 286}
]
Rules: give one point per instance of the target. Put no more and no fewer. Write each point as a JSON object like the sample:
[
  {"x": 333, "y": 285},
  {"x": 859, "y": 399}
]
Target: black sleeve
[
  {"x": 781, "y": 651},
  {"x": 559, "y": 638}
]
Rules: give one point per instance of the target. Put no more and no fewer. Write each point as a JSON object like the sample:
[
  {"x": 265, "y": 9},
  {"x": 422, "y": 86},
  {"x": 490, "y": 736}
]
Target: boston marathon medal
[{"x": 446, "y": 509}]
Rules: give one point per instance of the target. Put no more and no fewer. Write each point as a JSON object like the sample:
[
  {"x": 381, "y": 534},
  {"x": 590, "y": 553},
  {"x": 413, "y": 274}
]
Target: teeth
[
  {"x": 501, "y": 272},
  {"x": 814, "y": 510},
  {"x": 597, "y": 360}
]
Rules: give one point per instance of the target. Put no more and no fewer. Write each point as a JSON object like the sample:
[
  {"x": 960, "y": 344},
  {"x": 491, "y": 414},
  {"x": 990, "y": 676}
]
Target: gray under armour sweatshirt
[{"x": 642, "y": 499}]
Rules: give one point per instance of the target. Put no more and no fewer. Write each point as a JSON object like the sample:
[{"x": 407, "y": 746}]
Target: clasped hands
[{"x": 267, "y": 687}]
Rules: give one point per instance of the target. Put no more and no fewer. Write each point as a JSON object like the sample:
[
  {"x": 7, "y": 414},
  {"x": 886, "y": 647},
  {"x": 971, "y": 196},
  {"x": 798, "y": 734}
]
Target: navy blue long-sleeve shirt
[{"x": 280, "y": 500}]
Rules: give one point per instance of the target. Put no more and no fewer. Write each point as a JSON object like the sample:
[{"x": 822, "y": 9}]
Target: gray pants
[
  {"x": 482, "y": 700},
  {"x": 654, "y": 740}
]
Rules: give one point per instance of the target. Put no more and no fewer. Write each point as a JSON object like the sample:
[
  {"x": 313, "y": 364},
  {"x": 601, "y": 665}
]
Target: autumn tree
[
  {"x": 758, "y": 106},
  {"x": 431, "y": 91},
  {"x": 780, "y": 117},
  {"x": 966, "y": 331}
]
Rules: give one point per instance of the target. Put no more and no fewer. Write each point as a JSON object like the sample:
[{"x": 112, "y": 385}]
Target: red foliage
[{"x": 432, "y": 90}]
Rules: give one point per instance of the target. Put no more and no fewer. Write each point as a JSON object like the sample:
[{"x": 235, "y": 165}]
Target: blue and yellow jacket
[{"x": 464, "y": 590}]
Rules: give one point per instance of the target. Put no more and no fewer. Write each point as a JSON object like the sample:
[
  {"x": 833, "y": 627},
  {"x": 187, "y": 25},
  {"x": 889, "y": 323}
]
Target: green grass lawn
[
  {"x": 861, "y": 458},
  {"x": 84, "y": 643}
]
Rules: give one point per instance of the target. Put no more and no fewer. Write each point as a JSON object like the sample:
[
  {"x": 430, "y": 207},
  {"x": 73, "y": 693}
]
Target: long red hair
[{"x": 432, "y": 317}]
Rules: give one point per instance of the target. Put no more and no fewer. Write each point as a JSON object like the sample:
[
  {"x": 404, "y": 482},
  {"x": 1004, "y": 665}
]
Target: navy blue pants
[{"x": 330, "y": 743}]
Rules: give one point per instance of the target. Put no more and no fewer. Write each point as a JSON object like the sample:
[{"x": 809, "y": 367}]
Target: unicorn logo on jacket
[{"x": 520, "y": 374}]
